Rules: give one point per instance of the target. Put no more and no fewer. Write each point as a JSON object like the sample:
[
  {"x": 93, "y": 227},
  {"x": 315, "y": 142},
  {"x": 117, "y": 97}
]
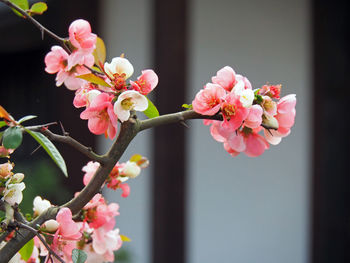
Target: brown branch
[
  {"x": 128, "y": 131},
  {"x": 176, "y": 117},
  {"x": 66, "y": 139},
  {"x": 36, "y": 23},
  {"x": 36, "y": 232}
]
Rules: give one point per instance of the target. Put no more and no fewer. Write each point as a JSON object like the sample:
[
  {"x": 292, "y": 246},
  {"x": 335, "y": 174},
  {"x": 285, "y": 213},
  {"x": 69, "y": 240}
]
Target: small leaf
[
  {"x": 26, "y": 118},
  {"x": 94, "y": 79},
  {"x": 51, "y": 149},
  {"x": 78, "y": 256},
  {"x": 151, "y": 111},
  {"x": 12, "y": 137},
  {"x": 187, "y": 106},
  {"x": 23, "y": 4},
  {"x": 100, "y": 51},
  {"x": 125, "y": 238},
  {"x": 135, "y": 158},
  {"x": 27, "y": 250},
  {"x": 38, "y": 8},
  {"x": 3, "y": 124}
]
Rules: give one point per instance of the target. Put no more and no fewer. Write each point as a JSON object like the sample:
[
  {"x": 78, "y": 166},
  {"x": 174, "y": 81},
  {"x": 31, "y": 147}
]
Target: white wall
[
  {"x": 126, "y": 29},
  {"x": 250, "y": 209}
]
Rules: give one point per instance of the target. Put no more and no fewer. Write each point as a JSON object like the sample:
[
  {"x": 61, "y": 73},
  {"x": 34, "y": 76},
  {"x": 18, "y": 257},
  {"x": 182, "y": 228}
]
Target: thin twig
[
  {"x": 37, "y": 24},
  {"x": 36, "y": 232},
  {"x": 70, "y": 141}
]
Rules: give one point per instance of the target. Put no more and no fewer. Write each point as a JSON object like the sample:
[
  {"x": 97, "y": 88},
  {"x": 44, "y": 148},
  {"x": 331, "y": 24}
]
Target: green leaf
[
  {"x": 151, "y": 111},
  {"x": 2, "y": 124},
  {"x": 100, "y": 51},
  {"x": 12, "y": 137},
  {"x": 51, "y": 149},
  {"x": 38, "y": 8},
  {"x": 26, "y": 118},
  {"x": 125, "y": 238},
  {"x": 94, "y": 79},
  {"x": 187, "y": 106},
  {"x": 23, "y": 4},
  {"x": 27, "y": 250},
  {"x": 78, "y": 256}
]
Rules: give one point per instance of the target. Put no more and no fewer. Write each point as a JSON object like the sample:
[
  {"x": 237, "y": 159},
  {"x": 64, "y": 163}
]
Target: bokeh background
[{"x": 195, "y": 203}]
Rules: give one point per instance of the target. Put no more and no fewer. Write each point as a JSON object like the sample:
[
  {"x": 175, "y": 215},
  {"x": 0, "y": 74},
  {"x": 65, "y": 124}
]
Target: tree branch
[
  {"x": 128, "y": 131},
  {"x": 36, "y": 23},
  {"x": 176, "y": 117},
  {"x": 66, "y": 139}
]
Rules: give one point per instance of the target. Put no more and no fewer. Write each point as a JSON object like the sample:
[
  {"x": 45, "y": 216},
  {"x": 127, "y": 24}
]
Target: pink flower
[
  {"x": 81, "y": 38},
  {"x": 146, "y": 82},
  {"x": 100, "y": 116},
  {"x": 255, "y": 144},
  {"x": 90, "y": 169},
  {"x": 81, "y": 98},
  {"x": 225, "y": 77},
  {"x": 80, "y": 35},
  {"x": 233, "y": 112},
  {"x": 56, "y": 62},
  {"x": 285, "y": 117},
  {"x": 105, "y": 241},
  {"x": 208, "y": 100},
  {"x": 125, "y": 189},
  {"x": 254, "y": 117},
  {"x": 272, "y": 91},
  {"x": 67, "y": 227}
]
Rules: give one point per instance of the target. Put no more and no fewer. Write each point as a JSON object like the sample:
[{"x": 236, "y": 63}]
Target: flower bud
[
  {"x": 5, "y": 170},
  {"x": 17, "y": 178},
  {"x": 40, "y": 205},
  {"x": 269, "y": 122},
  {"x": 51, "y": 225},
  {"x": 131, "y": 169}
]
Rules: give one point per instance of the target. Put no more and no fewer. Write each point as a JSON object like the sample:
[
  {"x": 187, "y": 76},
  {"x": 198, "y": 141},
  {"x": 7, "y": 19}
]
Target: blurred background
[{"x": 195, "y": 203}]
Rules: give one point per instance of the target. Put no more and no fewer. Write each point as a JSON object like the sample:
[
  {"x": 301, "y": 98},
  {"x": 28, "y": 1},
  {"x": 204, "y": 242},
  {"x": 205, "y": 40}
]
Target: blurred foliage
[{"x": 42, "y": 178}]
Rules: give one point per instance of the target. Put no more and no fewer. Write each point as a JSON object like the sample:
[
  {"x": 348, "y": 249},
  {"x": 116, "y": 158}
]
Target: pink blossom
[
  {"x": 100, "y": 116},
  {"x": 209, "y": 99},
  {"x": 56, "y": 62},
  {"x": 285, "y": 117},
  {"x": 225, "y": 77},
  {"x": 67, "y": 227},
  {"x": 254, "y": 117},
  {"x": 232, "y": 152},
  {"x": 5, "y": 152},
  {"x": 272, "y": 91},
  {"x": 80, "y": 35},
  {"x": 270, "y": 107},
  {"x": 126, "y": 189},
  {"x": 105, "y": 241},
  {"x": 90, "y": 169},
  {"x": 246, "y": 82},
  {"x": 255, "y": 144},
  {"x": 146, "y": 82},
  {"x": 233, "y": 111}
]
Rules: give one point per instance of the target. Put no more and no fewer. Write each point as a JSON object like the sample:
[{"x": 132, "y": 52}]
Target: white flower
[
  {"x": 119, "y": 66},
  {"x": 246, "y": 95},
  {"x": 13, "y": 193},
  {"x": 127, "y": 101},
  {"x": 17, "y": 178},
  {"x": 131, "y": 170},
  {"x": 40, "y": 205}
]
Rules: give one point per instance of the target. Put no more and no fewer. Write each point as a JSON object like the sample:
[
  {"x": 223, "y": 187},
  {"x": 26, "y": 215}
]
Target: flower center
[
  {"x": 127, "y": 104},
  {"x": 229, "y": 110}
]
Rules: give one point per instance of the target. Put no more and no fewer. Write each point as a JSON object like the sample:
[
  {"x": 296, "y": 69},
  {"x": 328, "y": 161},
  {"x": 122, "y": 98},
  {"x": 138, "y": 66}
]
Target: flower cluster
[
  {"x": 245, "y": 112},
  {"x": 104, "y": 90},
  {"x": 92, "y": 232},
  {"x": 120, "y": 173},
  {"x": 11, "y": 185}
]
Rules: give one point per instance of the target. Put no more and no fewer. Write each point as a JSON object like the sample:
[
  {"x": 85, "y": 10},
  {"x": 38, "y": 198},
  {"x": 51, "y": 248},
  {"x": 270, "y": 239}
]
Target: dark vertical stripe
[
  {"x": 331, "y": 176},
  {"x": 169, "y": 188}
]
